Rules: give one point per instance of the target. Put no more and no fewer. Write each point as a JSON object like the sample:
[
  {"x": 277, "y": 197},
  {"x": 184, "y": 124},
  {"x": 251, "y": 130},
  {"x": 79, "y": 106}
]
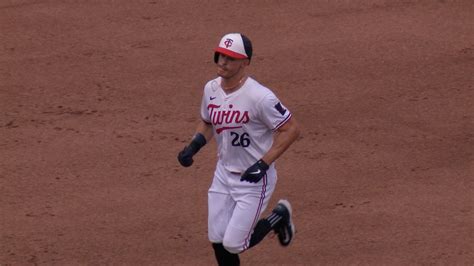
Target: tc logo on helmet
[{"x": 228, "y": 43}]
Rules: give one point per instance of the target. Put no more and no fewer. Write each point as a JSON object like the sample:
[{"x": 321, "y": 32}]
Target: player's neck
[{"x": 231, "y": 85}]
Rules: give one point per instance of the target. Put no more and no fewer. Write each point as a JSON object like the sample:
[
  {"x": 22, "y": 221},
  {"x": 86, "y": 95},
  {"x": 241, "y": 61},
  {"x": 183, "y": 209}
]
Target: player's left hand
[{"x": 255, "y": 172}]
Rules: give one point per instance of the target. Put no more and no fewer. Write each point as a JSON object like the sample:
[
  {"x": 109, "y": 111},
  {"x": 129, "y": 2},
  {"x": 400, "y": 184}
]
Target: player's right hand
[{"x": 185, "y": 157}]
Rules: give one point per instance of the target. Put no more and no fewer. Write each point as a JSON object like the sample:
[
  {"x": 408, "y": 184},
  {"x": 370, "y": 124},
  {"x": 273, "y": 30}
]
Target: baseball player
[{"x": 252, "y": 129}]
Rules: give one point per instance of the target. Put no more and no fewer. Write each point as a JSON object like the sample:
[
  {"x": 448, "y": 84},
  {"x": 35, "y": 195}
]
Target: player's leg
[
  {"x": 220, "y": 212},
  {"x": 279, "y": 221},
  {"x": 251, "y": 199},
  {"x": 224, "y": 257},
  {"x": 220, "y": 209}
]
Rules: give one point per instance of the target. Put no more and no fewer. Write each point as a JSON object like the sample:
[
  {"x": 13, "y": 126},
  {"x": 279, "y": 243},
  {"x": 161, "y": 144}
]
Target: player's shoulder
[
  {"x": 211, "y": 81},
  {"x": 258, "y": 90},
  {"x": 212, "y": 85}
]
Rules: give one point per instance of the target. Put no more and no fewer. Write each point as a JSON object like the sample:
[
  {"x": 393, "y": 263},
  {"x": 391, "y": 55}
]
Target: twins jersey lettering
[{"x": 243, "y": 121}]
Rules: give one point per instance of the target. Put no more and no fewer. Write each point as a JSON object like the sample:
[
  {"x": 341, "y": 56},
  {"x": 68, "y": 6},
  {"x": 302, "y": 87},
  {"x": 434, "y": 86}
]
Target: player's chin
[{"x": 222, "y": 72}]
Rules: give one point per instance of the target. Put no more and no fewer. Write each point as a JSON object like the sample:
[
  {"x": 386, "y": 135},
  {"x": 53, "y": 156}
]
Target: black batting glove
[
  {"x": 185, "y": 157},
  {"x": 255, "y": 172}
]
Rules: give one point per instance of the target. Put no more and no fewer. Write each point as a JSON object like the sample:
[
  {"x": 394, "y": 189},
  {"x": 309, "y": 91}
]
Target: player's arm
[
  {"x": 203, "y": 135},
  {"x": 284, "y": 137},
  {"x": 205, "y": 129}
]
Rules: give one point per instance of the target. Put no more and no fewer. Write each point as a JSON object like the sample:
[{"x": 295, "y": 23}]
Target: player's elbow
[
  {"x": 295, "y": 130},
  {"x": 290, "y": 130}
]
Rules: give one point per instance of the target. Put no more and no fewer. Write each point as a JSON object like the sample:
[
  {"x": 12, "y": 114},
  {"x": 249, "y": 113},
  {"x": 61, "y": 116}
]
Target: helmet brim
[{"x": 229, "y": 53}]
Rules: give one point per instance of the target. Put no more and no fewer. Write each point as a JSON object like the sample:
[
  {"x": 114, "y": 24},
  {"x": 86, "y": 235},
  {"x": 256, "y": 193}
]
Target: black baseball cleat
[{"x": 285, "y": 228}]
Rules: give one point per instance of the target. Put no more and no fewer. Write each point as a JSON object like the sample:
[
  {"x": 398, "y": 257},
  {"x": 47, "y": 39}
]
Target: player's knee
[
  {"x": 232, "y": 247},
  {"x": 215, "y": 236}
]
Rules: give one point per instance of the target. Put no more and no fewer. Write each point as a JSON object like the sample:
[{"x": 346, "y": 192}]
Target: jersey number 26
[{"x": 240, "y": 140}]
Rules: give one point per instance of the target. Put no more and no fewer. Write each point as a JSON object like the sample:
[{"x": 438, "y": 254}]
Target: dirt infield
[{"x": 97, "y": 98}]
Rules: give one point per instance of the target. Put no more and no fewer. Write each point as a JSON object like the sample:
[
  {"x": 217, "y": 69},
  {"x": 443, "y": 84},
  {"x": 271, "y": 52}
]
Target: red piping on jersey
[
  {"x": 283, "y": 122},
  {"x": 257, "y": 215}
]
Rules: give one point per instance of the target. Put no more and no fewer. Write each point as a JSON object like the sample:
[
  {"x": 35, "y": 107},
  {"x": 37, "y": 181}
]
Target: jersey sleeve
[
  {"x": 204, "y": 111},
  {"x": 273, "y": 113}
]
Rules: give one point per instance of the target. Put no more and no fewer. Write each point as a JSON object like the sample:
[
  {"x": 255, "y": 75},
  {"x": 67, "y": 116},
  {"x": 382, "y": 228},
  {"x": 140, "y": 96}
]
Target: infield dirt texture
[{"x": 98, "y": 97}]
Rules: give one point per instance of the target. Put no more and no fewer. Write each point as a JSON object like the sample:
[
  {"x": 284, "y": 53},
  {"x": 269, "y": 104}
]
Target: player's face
[{"x": 228, "y": 67}]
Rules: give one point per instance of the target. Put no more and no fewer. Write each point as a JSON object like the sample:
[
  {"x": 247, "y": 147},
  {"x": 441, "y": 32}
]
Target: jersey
[{"x": 243, "y": 121}]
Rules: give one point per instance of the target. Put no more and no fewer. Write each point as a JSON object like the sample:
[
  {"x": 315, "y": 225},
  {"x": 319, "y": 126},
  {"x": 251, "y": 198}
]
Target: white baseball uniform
[{"x": 243, "y": 122}]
